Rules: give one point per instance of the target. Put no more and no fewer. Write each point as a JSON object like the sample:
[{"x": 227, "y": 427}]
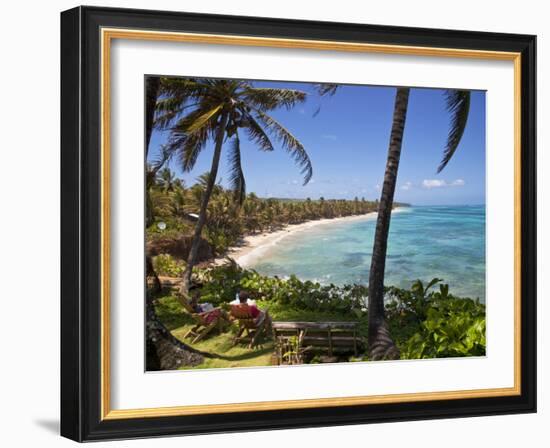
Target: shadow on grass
[{"x": 243, "y": 356}]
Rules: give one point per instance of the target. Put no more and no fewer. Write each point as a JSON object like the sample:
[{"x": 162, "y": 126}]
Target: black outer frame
[{"x": 81, "y": 207}]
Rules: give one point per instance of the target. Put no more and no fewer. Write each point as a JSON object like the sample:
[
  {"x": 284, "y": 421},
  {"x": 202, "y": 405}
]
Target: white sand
[{"x": 254, "y": 246}]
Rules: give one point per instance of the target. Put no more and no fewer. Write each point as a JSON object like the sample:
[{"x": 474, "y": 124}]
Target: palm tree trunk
[
  {"x": 152, "y": 87},
  {"x": 192, "y": 257},
  {"x": 150, "y": 272},
  {"x": 163, "y": 350},
  {"x": 381, "y": 345}
]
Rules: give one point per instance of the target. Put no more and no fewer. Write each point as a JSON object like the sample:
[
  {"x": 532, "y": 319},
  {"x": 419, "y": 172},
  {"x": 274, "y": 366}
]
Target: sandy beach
[{"x": 255, "y": 246}]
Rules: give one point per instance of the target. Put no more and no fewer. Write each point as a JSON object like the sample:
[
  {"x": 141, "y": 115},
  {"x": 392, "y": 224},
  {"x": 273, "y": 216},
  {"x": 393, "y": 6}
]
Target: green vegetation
[
  {"x": 220, "y": 346},
  {"x": 165, "y": 264},
  {"x": 201, "y": 222},
  {"x": 198, "y": 110},
  {"x": 425, "y": 322},
  {"x": 176, "y": 205}
]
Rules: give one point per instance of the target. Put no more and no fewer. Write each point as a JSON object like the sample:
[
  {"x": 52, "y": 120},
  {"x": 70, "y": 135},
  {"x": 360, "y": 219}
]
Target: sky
[{"x": 347, "y": 142}]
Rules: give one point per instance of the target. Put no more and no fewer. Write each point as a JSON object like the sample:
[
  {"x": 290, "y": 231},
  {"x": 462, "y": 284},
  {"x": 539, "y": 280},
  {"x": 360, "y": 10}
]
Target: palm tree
[
  {"x": 381, "y": 345},
  {"x": 167, "y": 179},
  {"x": 163, "y": 350},
  {"x": 152, "y": 88},
  {"x": 202, "y": 110}
]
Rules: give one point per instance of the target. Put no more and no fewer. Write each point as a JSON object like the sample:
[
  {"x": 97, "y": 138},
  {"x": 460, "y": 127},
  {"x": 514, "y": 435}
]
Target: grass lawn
[
  {"x": 178, "y": 321},
  {"x": 225, "y": 355}
]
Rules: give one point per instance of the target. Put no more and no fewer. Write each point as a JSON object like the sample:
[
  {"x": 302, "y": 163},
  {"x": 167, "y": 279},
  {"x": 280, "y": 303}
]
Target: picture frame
[{"x": 86, "y": 37}]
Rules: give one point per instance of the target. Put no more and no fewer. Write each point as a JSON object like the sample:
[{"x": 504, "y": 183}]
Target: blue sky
[{"x": 347, "y": 142}]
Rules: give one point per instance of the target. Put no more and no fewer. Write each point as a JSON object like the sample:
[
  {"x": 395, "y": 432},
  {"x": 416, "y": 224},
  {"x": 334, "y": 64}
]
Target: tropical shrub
[
  {"x": 165, "y": 264},
  {"x": 425, "y": 323},
  {"x": 447, "y": 333},
  {"x": 222, "y": 283},
  {"x": 446, "y": 326}
]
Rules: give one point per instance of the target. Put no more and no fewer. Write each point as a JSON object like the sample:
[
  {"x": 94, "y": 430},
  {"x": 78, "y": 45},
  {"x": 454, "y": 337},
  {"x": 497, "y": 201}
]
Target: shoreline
[{"x": 254, "y": 246}]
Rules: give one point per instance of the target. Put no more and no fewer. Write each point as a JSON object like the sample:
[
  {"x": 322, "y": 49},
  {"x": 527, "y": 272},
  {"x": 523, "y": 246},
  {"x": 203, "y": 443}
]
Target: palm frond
[
  {"x": 290, "y": 143},
  {"x": 266, "y": 98},
  {"x": 194, "y": 120},
  {"x": 176, "y": 95},
  {"x": 257, "y": 134},
  {"x": 183, "y": 88},
  {"x": 236, "y": 179},
  {"x": 187, "y": 146},
  {"x": 168, "y": 110},
  {"x": 203, "y": 119},
  {"x": 458, "y": 105},
  {"x": 164, "y": 156},
  {"x": 326, "y": 89}
]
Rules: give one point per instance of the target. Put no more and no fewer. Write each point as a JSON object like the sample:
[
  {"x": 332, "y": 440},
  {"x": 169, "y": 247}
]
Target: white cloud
[
  {"x": 439, "y": 183},
  {"x": 406, "y": 186},
  {"x": 433, "y": 183},
  {"x": 377, "y": 186}
]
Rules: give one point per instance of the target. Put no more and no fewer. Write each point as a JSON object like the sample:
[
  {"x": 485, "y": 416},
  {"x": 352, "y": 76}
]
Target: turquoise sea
[{"x": 447, "y": 242}]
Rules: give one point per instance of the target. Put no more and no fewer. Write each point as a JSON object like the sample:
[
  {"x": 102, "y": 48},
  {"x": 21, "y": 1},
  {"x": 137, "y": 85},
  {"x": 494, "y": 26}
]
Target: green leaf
[{"x": 203, "y": 119}]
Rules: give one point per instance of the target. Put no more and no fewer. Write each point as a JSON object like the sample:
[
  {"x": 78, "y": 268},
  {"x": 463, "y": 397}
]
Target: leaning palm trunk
[
  {"x": 192, "y": 257},
  {"x": 164, "y": 351},
  {"x": 152, "y": 87},
  {"x": 381, "y": 345}
]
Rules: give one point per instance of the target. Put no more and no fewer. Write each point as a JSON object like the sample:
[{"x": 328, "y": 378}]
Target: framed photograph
[{"x": 277, "y": 224}]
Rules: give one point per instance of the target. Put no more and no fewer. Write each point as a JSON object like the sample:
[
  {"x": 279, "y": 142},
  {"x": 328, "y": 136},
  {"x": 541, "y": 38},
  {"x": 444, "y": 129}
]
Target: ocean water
[{"x": 447, "y": 242}]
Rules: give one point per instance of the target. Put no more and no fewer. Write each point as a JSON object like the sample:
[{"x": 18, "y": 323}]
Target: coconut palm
[
  {"x": 381, "y": 345},
  {"x": 163, "y": 350},
  {"x": 167, "y": 179},
  {"x": 152, "y": 88},
  {"x": 201, "y": 110}
]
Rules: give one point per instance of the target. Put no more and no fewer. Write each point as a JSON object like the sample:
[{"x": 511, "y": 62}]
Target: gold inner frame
[{"x": 107, "y": 35}]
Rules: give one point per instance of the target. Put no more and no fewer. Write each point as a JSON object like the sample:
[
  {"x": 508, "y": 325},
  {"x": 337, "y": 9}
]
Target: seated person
[
  {"x": 199, "y": 307},
  {"x": 205, "y": 309},
  {"x": 243, "y": 298},
  {"x": 257, "y": 314}
]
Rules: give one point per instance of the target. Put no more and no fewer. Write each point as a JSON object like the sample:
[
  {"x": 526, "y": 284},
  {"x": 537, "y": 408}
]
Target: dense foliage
[
  {"x": 425, "y": 322},
  {"x": 444, "y": 325},
  {"x": 224, "y": 282},
  {"x": 167, "y": 265},
  {"x": 176, "y": 205}
]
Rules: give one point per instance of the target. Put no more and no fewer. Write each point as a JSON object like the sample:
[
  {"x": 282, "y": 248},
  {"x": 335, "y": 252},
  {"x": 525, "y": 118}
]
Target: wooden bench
[{"x": 294, "y": 339}]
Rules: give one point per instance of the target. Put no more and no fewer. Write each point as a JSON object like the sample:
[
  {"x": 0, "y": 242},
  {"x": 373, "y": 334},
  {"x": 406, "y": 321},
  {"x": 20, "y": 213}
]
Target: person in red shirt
[
  {"x": 258, "y": 315},
  {"x": 244, "y": 299}
]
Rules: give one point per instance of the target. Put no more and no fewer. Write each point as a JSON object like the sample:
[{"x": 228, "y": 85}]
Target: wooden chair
[
  {"x": 202, "y": 327},
  {"x": 250, "y": 329}
]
